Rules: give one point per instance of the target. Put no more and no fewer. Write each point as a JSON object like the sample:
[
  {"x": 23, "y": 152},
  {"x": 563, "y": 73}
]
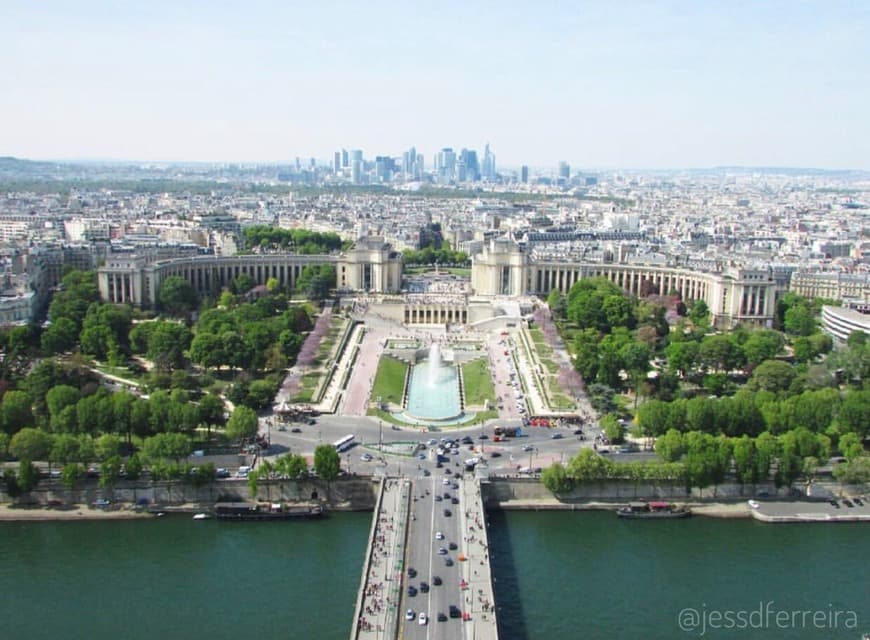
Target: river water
[{"x": 558, "y": 575}]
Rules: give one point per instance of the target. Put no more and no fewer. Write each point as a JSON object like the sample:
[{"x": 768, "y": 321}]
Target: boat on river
[
  {"x": 653, "y": 510},
  {"x": 265, "y": 511}
]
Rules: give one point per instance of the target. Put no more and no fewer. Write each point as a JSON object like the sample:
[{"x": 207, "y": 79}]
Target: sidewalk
[
  {"x": 382, "y": 591},
  {"x": 478, "y": 597}
]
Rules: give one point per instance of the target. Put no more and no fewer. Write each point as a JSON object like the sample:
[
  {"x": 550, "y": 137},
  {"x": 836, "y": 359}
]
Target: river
[{"x": 558, "y": 575}]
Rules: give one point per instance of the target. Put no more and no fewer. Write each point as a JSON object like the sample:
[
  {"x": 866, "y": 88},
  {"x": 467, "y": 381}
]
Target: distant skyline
[{"x": 600, "y": 85}]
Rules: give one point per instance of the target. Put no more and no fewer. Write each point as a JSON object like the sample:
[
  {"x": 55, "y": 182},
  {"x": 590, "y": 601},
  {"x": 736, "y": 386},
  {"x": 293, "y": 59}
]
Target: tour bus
[{"x": 345, "y": 443}]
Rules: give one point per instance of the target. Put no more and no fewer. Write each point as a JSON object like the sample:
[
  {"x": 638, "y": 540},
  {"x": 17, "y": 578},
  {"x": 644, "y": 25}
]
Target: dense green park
[
  {"x": 176, "y": 384},
  {"x": 749, "y": 404},
  {"x": 477, "y": 381}
]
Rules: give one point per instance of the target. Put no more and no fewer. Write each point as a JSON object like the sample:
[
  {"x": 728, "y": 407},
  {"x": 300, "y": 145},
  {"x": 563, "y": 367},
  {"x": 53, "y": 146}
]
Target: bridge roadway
[{"x": 397, "y": 548}]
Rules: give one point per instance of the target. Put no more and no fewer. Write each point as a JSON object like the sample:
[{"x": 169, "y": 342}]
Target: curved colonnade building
[
  {"x": 735, "y": 295},
  {"x": 370, "y": 265}
]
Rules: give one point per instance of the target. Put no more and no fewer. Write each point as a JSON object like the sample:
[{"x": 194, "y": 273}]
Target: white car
[
  {"x": 423, "y": 619},
  {"x": 366, "y": 457},
  {"x": 410, "y": 615},
  {"x": 439, "y": 535}
]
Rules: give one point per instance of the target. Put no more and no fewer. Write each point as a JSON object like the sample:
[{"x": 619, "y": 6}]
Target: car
[
  {"x": 452, "y": 546},
  {"x": 442, "y": 551},
  {"x": 858, "y": 501},
  {"x": 454, "y": 611},
  {"x": 442, "y": 617},
  {"x": 483, "y": 436},
  {"x": 311, "y": 421},
  {"x": 446, "y": 496},
  {"x": 527, "y": 447},
  {"x": 848, "y": 503},
  {"x": 421, "y": 456},
  {"x": 556, "y": 436},
  {"x": 448, "y": 562},
  {"x": 439, "y": 535},
  {"x": 467, "y": 440},
  {"x": 431, "y": 442},
  {"x": 439, "y": 464},
  {"x": 445, "y": 481},
  {"x": 438, "y": 498},
  {"x": 423, "y": 619},
  {"x": 102, "y": 503},
  {"x": 834, "y": 504},
  {"x": 426, "y": 472},
  {"x": 495, "y": 454},
  {"x": 220, "y": 472},
  {"x": 454, "y": 500},
  {"x": 447, "y": 513},
  {"x": 447, "y": 472},
  {"x": 410, "y": 614},
  {"x": 412, "y": 591},
  {"x": 366, "y": 457},
  {"x": 578, "y": 432},
  {"x": 436, "y": 580},
  {"x": 424, "y": 587},
  {"x": 455, "y": 486},
  {"x": 412, "y": 572}
]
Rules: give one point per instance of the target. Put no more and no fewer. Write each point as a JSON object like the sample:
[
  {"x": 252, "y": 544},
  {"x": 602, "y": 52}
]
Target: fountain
[{"x": 433, "y": 392}]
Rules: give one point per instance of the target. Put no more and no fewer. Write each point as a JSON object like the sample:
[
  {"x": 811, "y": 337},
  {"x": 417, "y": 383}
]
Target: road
[
  {"x": 429, "y": 516},
  {"x": 541, "y": 448}
]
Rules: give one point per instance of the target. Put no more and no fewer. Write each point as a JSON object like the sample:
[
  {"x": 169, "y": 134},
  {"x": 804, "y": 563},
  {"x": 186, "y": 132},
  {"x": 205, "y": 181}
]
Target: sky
[{"x": 610, "y": 84}]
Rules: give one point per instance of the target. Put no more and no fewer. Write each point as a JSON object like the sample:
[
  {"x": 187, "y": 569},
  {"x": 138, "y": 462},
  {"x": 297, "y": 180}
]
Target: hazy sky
[{"x": 615, "y": 83}]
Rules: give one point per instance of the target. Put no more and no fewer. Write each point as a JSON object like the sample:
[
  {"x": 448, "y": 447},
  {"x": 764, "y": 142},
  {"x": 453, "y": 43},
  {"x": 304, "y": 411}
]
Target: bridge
[{"x": 427, "y": 572}]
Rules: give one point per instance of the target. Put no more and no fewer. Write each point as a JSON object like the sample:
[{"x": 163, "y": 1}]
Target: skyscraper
[
  {"x": 564, "y": 171},
  {"x": 488, "y": 164},
  {"x": 524, "y": 174},
  {"x": 345, "y": 162},
  {"x": 336, "y": 162}
]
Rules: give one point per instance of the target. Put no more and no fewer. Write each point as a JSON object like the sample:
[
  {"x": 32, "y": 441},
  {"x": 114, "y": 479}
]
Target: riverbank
[
  {"x": 37, "y": 513},
  {"x": 709, "y": 509}
]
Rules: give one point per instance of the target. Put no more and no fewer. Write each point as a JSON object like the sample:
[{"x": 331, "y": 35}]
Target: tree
[
  {"x": 28, "y": 476},
  {"x": 761, "y": 345},
  {"x": 556, "y": 479},
  {"x": 745, "y": 461},
  {"x": 133, "y": 467},
  {"x": 242, "y": 424},
  {"x": 60, "y": 336},
  {"x": 654, "y": 418},
  {"x": 65, "y": 449},
  {"x": 800, "y": 320},
  {"x": 107, "y": 446},
  {"x": 292, "y": 466},
  {"x": 682, "y": 357},
  {"x": 177, "y": 296},
  {"x": 15, "y": 411},
  {"x": 612, "y": 428},
  {"x": 588, "y": 466},
  {"x": 720, "y": 353},
  {"x": 855, "y": 471},
  {"x": 854, "y": 413},
  {"x": 71, "y": 475},
  {"x": 772, "y": 375},
  {"x": 586, "y": 353},
  {"x": 30, "y": 444},
  {"x": 850, "y": 446},
  {"x": 327, "y": 462},
  {"x": 60, "y": 397},
  {"x": 699, "y": 313},
  {"x": 166, "y": 446},
  {"x": 670, "y": 446},
  {"x": 167, "y": 342},
  {"x": 110, "y": 471},
  {"x": 557, "y": 303}
]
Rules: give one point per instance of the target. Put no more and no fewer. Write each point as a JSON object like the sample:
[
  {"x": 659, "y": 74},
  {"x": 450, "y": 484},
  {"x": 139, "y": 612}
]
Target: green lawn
[
  {"x": 478, "y": 382},
  {"x": 389, "y": 381}
]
